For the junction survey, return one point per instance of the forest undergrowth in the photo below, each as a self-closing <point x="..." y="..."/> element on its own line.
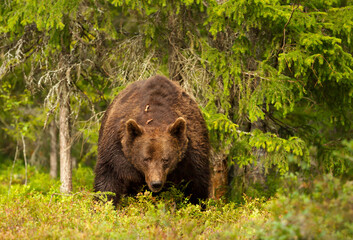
<point x="318" y="209"/>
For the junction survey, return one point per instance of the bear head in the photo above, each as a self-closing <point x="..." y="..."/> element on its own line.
<point x="155" y="152"/>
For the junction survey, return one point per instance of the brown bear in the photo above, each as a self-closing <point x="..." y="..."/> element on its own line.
<point x="153" y="133"/>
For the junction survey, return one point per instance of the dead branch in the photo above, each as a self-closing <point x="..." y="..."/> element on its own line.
<point x="285" y="26"/>
<point x="24" y="156"/>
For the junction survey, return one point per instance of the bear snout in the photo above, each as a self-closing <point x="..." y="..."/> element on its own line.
<point x="156" y="186"/>
<point x="155" y="176"/>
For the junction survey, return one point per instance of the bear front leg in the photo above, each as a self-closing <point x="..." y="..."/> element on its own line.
<point x="109" y="182"/>
<point x="198" y="189"/>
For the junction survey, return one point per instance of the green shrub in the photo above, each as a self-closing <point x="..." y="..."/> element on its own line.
<point x="29" y="214"/>
<point x="322" y="209"/>
<point x="302" y="209"/>
<point x="83" y="178"/>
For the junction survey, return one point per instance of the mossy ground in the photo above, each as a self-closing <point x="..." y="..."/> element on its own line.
<point x="322" y="209"/>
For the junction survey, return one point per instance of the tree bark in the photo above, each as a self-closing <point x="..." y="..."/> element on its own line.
<point x="32" y="160"/>
<point x="219" y="179"/>
<point x="53" y="151"/>
<point x="256" y="171"/>
<point x="175" y="44"/>
<point x="65" y="147"/>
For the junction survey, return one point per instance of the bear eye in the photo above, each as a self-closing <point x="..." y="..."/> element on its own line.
<point x="146" y="159"/>
<point x="165" y="160"/>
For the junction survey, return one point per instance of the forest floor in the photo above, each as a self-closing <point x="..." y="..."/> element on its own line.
<point x="322" y="209"/>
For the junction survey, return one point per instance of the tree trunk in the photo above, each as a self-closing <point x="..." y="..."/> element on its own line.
<point x="74" y="162"/>
<point x="175" y="44"/>
<point x="219" y="179"/>
<point x="53" y="151"/>
<point x="256" y="170"/>
<point x="65" y="158"/>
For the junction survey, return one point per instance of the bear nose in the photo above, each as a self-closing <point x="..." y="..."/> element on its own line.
<point x="156" y="185"/>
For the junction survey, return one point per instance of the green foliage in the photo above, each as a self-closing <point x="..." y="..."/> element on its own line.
<point x="254" y="190"/>
<point x="318" y="210"/>
<point x="15" y="174"/>
<point x="46" y="14"/>
<point x="27" y="213"/>
<point x="303" y="209"/>
<point x="19" y="114"/>
<point x="239" y="145"/>
<point x="344" y="158"/>
<point x="283" y="59"/>
<point x="83" y="179"/>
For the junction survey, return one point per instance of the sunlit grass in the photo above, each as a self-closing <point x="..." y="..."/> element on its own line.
<point x="322" y="209"/>
<point x="27" y="213"/>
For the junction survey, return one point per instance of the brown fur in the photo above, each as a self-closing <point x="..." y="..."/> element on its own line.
<point x="153" y="133"/>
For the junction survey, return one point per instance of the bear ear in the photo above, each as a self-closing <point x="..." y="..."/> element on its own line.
<point x="178" y="128"/>
<point x="133" y="129"/>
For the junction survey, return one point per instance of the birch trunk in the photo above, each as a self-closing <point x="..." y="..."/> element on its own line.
<point x="65" y="158"/>
<point x="53" y="151"/>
